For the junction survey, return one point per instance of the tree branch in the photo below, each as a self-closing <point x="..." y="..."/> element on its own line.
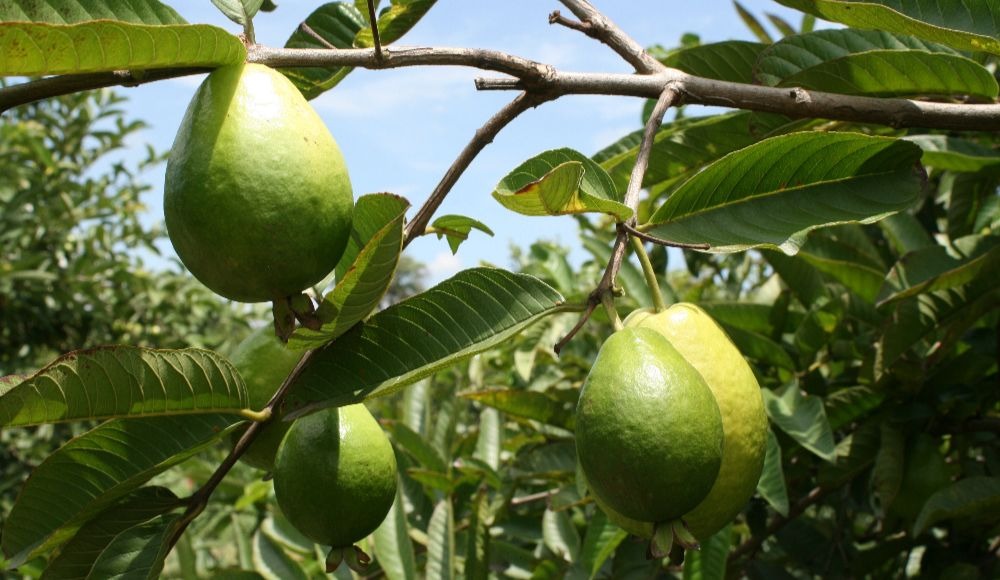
<point x="483" y="137"/>
<point x="660" y="241"/>
<point x="602" y="28"/>
<point x="750" y="547"/>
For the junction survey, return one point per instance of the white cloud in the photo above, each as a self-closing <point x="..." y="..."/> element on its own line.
<point x="443" y="265"/>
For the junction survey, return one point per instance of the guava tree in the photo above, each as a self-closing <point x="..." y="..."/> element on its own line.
<point x="838" y="223"/>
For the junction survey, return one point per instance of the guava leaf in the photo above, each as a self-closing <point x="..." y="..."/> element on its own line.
<point x="138" y="552"/>
<point x="106" y="463"/>
<point x="371" y="257"/>
<point x="560" y="535"/>
<point x="533" y="405"/>
<point x="887" y="473"/>
<point x="393" y="548"/>
<point x="413" y="443"/>
<point x="973" y="498"/>
<point x="731" y="60"/>
<point x="394" y="21"/>
<point x="125" y="381"/>
<point x="441" y="541"/>
<point x="772" y="193"/>
<point x="843" y="261"/>
<point x="793" y="55"/>
<point x="850" y="404"/>
<point x="771" y="485"/>
<point x="271" y="560"/>
<point x="457" y="229"/>
<point x="955" y="154"/>
<point x="239" y="11"/>
<point x="599" y="543"/>
<point x="802" y="417"/>
<point x="73" y="11"/>
<point x="560" y="182"/>
<point x="473" y="311"/>
<point x="30" y="49"/>
<point x="935" y="268"/>
<point x="345" y="25"/>
<point x="971" y="26"/>
<point x="76" y="559"/>
<point x="709" y="563"/>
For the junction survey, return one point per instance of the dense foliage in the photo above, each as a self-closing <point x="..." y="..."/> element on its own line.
<point x="853" y="264"/>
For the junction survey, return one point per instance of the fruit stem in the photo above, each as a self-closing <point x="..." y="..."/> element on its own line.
<point x="256" y="416"/>
<point x="649" y="273"/>
<point x="334" y="558"/>
<point x="356" y="559"/>
<point x="608" y="300"/>
<point x="662" y="540"/>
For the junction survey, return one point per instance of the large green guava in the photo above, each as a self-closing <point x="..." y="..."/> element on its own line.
<point x="648" y="431"/>
<point x="257" y="198"/>
<point x="703" y="344"/>
<point x="335" y="477"/>
<point x="263" y="361"/>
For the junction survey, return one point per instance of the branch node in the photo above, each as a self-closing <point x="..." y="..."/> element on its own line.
<point x="585" y="27"/>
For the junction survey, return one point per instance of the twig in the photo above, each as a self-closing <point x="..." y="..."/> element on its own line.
<point x="660" y="241"/>
<point x="585" y="27"/>
<point x="483" y="137"/>
<point x="199" y="499"/>
<point x="603" y="29"/>
<point x="591" y="306"/>
<point x="373" y="19"/>
<point x="315" y="35"/>
<point x="524" y="499"/>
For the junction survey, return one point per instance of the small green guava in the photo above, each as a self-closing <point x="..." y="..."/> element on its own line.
<point x="335" y="479"/>
<point x="257" y="198"/>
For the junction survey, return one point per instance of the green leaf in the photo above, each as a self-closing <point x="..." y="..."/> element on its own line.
<point x="473" y="311"/>
<point x="560" y="535"/>
<point x="760" y="348"/>
<point x="239" y="11"/>
<point x="490" y="441"/>
<point x="781" y="24"/>
<point x="365" y="272"/>
<point x="803" y="279"/>
<point x="600" y="541"/>
<point x="393" y="548"/>
<point x="138" y="552"/>
<point x="119" y="381"/>
<point x="732" y="60"/>
<point x="888" y="73"/>
<point x="887" y="474"/>
<point x="76" y="559"/>
<point x="271" y="561"/>
<point x="743" y="315"/>
<point x="532" y="405"/>
<point x="854" y="454"/>
<point x="972" y="498"/>
<point x="709" y="563"/>
<point x="441" y="542"/>
<point x="560" y="182"/>
<point x="411" y="442"/>
<point x="844" y="262"/>
<point x="72" y="11"/>
<point x="680" y="149"/>
<point x="752" y="23"/>
<point x="772" y="193"/>
<point x="395" y="21"/>
<point x="337" y="23"/>
<point x="477" y="545"/>
<point x="107" y="462"/>
<point x="971" y="26"/>
<point x="802" y="417"/>
<point x="935" y="268"/>
<point x="30" y="49"/>
<point x="955" y="154"/>
<point x="457" y="228"/>
<point x="771" y="485"/>
<point x="905" y="233"/>
<point x="849" y="404"/>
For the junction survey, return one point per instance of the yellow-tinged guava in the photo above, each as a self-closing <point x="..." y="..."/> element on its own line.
<point x="335" y="477"/>
<point x="703" y="344"/>
<point x="263" y="361"/>
<point x="648" y="431"/>
<point x="257" y="198"/>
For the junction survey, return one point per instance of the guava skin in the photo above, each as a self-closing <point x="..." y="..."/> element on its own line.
<point x="648" y="431"/>
<point x="257" y="198"/>
<point x="263" y="361"/>
<point x="335" y="475"/>
<point x="705" y="345"/>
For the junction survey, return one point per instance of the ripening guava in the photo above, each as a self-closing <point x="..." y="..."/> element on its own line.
<point x="648" y="431"/>
<point x="703" y="344"/>
<point x="257" y="198"/>
<point x="335" y="478"/>
<point x="263" y="361"/>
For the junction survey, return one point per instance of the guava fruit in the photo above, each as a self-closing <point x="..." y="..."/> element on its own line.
<point x="335" y="479"/>
<point x="703" y="344"/>
<point x="264" y="362"/>
<point x="257" y="198"/>
<point x="648" y="431"/>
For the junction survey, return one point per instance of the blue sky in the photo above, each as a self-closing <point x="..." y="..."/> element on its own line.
<point x="400" y="129"/>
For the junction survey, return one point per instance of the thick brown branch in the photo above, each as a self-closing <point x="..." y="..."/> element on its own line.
<point x="483" y="137"/>
<point x="602" y="28"/>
